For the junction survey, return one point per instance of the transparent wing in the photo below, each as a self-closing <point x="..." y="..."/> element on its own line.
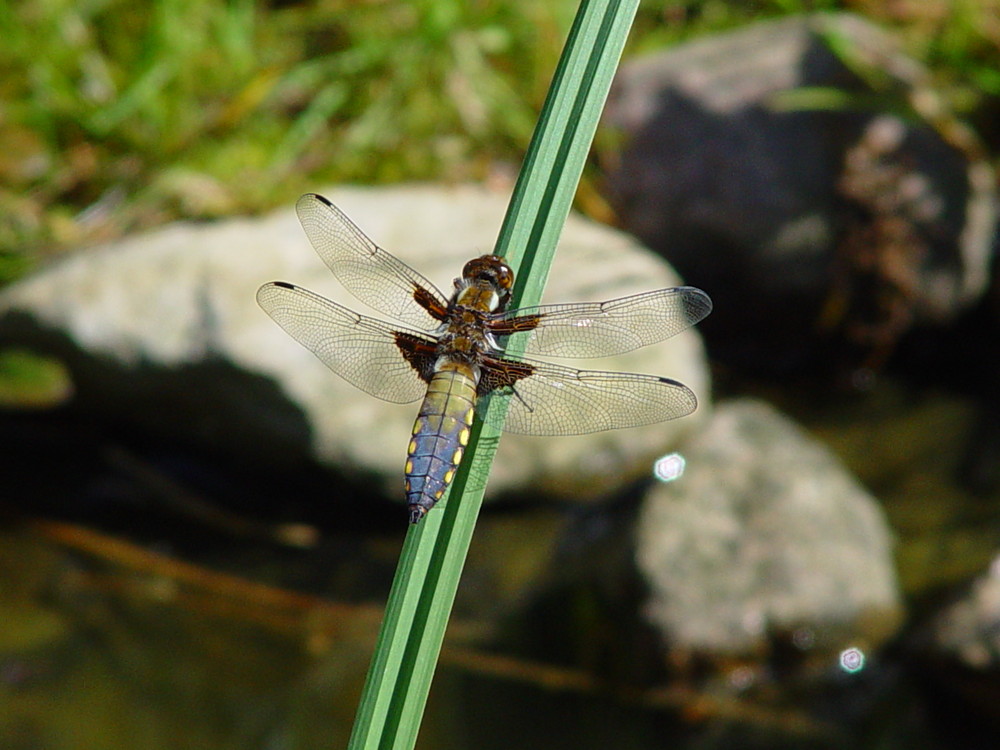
<point x="363" y="351"/>
<point x="601" y="329"/>
<point x="377" y="278"/>
<point x="556" y="400"/>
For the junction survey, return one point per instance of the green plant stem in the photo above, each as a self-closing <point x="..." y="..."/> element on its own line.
<point x="434" y="552"/>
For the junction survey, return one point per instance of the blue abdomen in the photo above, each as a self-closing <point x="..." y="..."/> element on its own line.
<point x="440" y="435"/>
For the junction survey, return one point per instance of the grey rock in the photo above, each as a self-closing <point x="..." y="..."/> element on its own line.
<point x="764" y="534"/>
<point x="958" y="649"/>
<point x="801" y="217"/>
<point x="162" y="330"/>
<point x="968" y="631"/>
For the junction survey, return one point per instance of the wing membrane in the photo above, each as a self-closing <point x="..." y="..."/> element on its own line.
<point x="556" y="400"/>
<point x="361" y="350"/>
<point x="377" y="278"/>
<point x="602" y="329"/>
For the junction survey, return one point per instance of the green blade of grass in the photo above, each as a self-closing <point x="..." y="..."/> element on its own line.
<point x="434" y="553"/>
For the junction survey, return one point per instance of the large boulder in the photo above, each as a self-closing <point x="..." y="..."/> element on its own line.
<point x="771" y="166"/>
<point x="765" y="538"/>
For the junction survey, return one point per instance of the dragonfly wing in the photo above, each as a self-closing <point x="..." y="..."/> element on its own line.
<point x="377" y="358"/>
<point x="602" y="329"/>
<point x="546" y="399"/>
<point x="374" y="276"/>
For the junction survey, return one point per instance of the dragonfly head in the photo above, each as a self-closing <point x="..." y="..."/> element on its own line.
<point x="492" y="273"/>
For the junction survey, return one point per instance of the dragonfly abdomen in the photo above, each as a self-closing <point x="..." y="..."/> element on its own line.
<point x="440" y="435"/>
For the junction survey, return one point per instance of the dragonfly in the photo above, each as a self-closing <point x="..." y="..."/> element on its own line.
<point x="448" y="349"/>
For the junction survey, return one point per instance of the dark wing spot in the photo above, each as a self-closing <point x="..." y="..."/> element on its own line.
<point x="420" y="353"/>
<point x="498" y="372"/>
<point x="507" y="326"/>
<point x="427" y="300"/>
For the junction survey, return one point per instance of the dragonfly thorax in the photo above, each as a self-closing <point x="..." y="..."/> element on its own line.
<point x="465" y="336"/>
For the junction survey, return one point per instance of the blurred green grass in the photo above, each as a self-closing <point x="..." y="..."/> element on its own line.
<point x="117" y="115"/>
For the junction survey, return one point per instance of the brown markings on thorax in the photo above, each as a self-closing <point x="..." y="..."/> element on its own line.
<point x="476" y="298"/>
